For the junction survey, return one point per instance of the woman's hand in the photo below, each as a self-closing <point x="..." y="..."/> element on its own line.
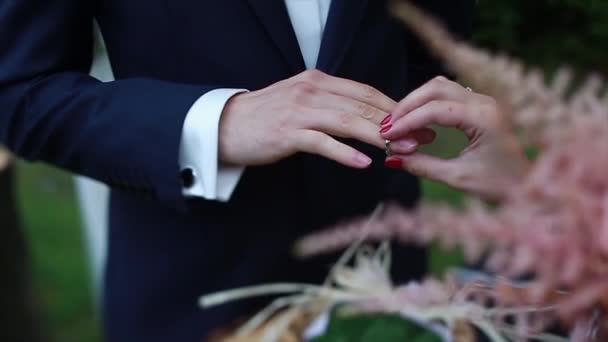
<point x="301" y="114"/>
<point x="491" y="162"/>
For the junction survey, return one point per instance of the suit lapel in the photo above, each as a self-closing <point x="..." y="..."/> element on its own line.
<point x="273" y="16"/>
<point x="344" y="19"/>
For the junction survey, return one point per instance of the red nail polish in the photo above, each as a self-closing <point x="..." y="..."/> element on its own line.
<point x="386" y="120"/>
<point x="393" y="163"/>
<point x="386" y="128"/>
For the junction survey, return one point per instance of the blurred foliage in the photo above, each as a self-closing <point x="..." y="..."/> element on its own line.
<point x="344" y="327"/>
<point x="52" y="226"/>
<point x="22" y="322"/>
<point x="547" y="33"/>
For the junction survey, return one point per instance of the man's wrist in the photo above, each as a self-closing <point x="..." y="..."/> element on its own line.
<point x="198" y="158"/>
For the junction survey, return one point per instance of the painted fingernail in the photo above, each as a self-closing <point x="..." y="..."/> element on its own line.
<point x="407" y="144"/>
<point x="393" y="163"/>
<point x="386" y="120"/>
<point x="386" y="128"/>
<point x="362" y="159"/>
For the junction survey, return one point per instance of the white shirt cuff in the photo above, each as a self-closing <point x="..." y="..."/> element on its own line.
<point x="198" y="153"/>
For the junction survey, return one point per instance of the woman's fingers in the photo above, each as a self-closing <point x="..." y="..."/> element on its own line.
<point x="322" y="144"/>
<point x="442" y="113"/>
<point x="424" y="165"/>
<point x="423" y="136"/>
<point x="412" y="141"/>
<point x="469" y="174"/>
<point x="439" y="88"/>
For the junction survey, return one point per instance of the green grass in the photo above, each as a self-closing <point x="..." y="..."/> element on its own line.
<point x="46" y="198"/>
<point x="61" y="277"/>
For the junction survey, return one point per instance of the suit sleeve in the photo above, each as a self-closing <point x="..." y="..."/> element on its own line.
<point x="125" y="133"/>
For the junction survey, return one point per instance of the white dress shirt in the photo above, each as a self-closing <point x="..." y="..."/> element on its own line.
<point x="199" y="144"/>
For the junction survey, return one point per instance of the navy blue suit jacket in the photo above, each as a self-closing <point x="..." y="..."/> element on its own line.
<point x="166" y="251"/>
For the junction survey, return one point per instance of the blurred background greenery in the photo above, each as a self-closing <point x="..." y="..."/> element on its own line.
<point x="545" y="33"/>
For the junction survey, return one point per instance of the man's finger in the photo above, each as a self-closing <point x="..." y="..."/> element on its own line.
<point x="344" y="104"/>
<point x="322" y="144"/>
<point x="352" y="89"/>
<point x="344" y="125"/>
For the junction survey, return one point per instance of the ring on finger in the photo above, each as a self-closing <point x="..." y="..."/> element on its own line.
<point x="387" y="147"/>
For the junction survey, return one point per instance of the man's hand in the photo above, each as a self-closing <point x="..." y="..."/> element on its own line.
<point x="490" y="164"/>
<point x="301" y="114"/>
